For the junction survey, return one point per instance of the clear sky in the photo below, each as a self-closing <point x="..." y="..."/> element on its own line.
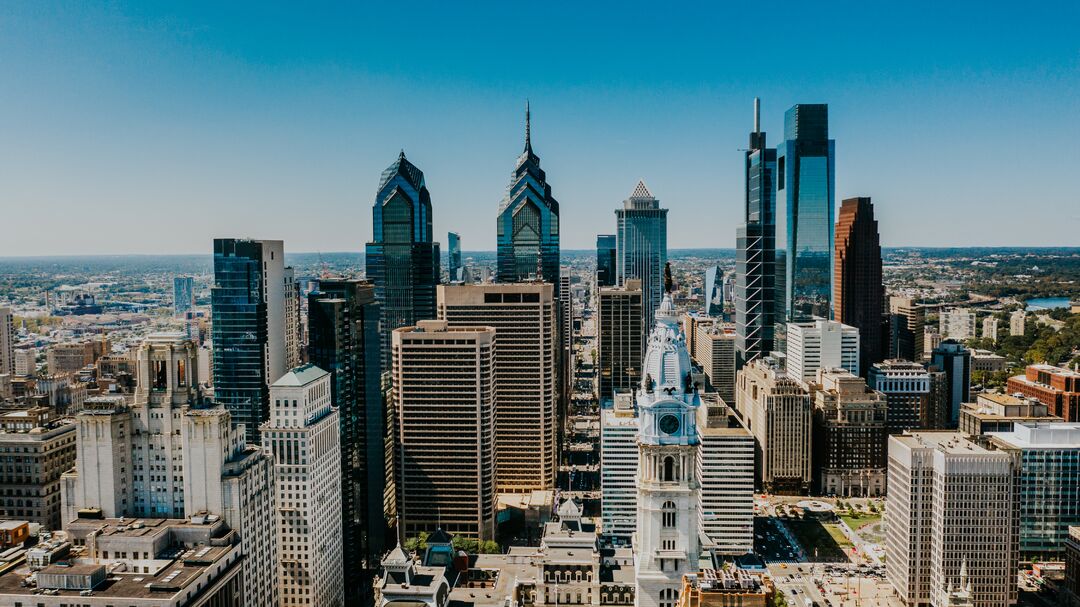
<point x="153" y="127"/>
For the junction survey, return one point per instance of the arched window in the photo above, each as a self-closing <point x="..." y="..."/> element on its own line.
<point x="669" y="469"/>
<point x="668" y="515"/>
<point x="668" y="596"/>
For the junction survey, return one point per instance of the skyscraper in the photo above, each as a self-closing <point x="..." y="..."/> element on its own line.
<point x="755" y="256"/>
<point x="850" y="435"/>
<point x="805" y="167"/>
<point x="858" y="293"/>
<point x="402" y="259"/>
<point x="908" y="391"/>
<point x="641" y="239"/>
<point x="955" y="360"/>
<point x="820" y="344"/>
<point x="524" y="318"/>
<point x="907" y="334"/>
<point x="343" y="339"/>
<point x="248" y="309"/>
<point x="714" y="291"/>
<point x="606" y="264"/>
<point x="778" y="410"/>
<point x="293" y="332"/>
<point x="183" y="294"/>
<point x="444" y="396"/>
<point x="453" y="258"/>
<point x="619" y="338"/>
<point x="7" y="342"/>
<point x="528" y="222"/>
<point x="303" y="434"/>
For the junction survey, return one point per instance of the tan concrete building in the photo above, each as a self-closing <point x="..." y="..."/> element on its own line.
<point x="850" y="435"/>
<point x="526" y="374"/>
<point x="715" y="353"/>
<point x="72" y="357"/>
<point x="30" y="480"/>
<point x="7" y="342"/>
<point x="444" y="394"/>
<point x="999" y="412"/>
<point x="778" y="412"/>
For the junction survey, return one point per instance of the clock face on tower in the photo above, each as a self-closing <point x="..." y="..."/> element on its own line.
<point x="669" y="424"/>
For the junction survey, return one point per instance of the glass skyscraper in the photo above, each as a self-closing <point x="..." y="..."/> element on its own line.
<point x="805" y="167"/>
<point x="183" y="294"/>
<point x="453" y="258"/>
<point x="528" y="222"/>
<point x="641" y="239"/>
<point x="402" y="259"/>
<point x="755" y="256"/>
<point x="606" y="263"/>
<point x="343" y="339"/>
<point x="248" y="309"/>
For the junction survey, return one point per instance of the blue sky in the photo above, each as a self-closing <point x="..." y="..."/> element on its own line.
<point x="152" y="127"/>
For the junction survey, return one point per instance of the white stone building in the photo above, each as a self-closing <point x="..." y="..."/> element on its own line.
<point x="821" y="344"/>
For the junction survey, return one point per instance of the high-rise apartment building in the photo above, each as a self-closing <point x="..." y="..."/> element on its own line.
<point x="343" y="339"/>
<point x="248" y="310"/>
<point x="906" y="321"/>
<point x="26" y="362"/>
<point x="858" y="293"/>
<point x="606" y="260"/>
<point x="755" y="255"/>
<point x="990" y="328"/>
<point x="528" y="222"/>
<point x="45" y="448"/>
<point x="850" y="435"/>
<point x="453" y="256"/>
<point x="1017" y="322"/>
<point x="444" y="394"/>
<point x="1047" y="458"/>
<point x="907" y="390"/>
<point x="958" y="324"/>
<point x="950" y="509"/>
<point x="641" y="236"/>
<point x="183" y="294"/>
<point x="402" y="259"/>
<point x="1056" y="387"/>
<point x="778" y="411"/>
<point x="805" y="178"/>
<point x="821" y="344"/>
<point x="523" y="316"/>
<point x="303" y="433"/>
<point x="620" y="345"/>
<point x="714" y="350"/>
<point x="955" y="360"/>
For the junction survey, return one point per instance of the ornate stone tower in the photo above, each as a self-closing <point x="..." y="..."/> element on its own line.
<point x="667" y="541"/>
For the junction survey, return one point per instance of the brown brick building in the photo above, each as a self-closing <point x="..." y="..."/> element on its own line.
<point x="1056" y="387"/>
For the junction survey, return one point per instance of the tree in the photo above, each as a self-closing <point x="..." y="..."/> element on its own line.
<point x="416" y="544"/>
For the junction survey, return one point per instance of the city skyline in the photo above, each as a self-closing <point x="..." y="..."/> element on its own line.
<point x="207" y="110"/>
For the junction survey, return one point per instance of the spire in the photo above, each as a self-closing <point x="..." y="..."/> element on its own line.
<point x="757" y="114"/>
<point x="401" y="156"/>
<point x="528" y="129"/>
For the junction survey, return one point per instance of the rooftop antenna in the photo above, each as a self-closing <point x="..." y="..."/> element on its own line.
<point x="528" y="128"/>
<point x="757" y="114"/>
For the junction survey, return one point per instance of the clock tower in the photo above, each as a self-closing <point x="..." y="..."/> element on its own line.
<point x="667" y="540"/>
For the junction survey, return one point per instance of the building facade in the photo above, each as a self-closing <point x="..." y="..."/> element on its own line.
<point x="7" y="341"/>
<point x="642" y="249"/>
<point x="907" y="390"/>
<point x="183" y="294"/>
<point x="618" y="469"/>
<point x="955" y="360"/>
<point x="958" y="324"/>
<point x="606" y="260"/>
<point x="907" y="321"/>
<point x="620" y="345"/>
<point x="1056" y="387"/>
<point x="858" y="293"/>
<point x="453" y="256"/>
<point x="715" y="350"/>
<point x="850" y="436"/>
<point x="821" y="344"/>
<point x="778" y="411"/>
<point x="36" y="448"/>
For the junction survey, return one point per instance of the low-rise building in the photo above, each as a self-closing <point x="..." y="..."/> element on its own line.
<point x="999" y="412"/>
<point x="1056" y="387"/>
<point x="985" y="360"/>
<point x="731" y="587"/>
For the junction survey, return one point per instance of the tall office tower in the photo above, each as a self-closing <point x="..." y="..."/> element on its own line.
<point x="46" y="447"/>
<point x="907" y="390"/>
<point x="955" y="360"/>
<point x="939" y="406"/>
<point x="1016" y="322"/>
<point x="618" y="469"/>
<point x="303" y="434"/>
<point x="343" y="338"/>
<point x="958" y="324"/>
<point x="755" y="257"/>
<point x="528" y="222"/>
<point x="858" y="293"/>
<point x="821" y="344"/>
<point x="402" y="259"/>
<point x="805" y="165"/>
<point x="778" y="410"/>
<point x="248" y="310"/>
<point x="691" y="322"/>
<point x="1047" y="456"/>
<point x="606" y="260"/>
<point x="526" y="376"/>
<point x="714" y="291"/>
<point x="950" y="508"/>
<point x="642" y="249"/>
<point x="566" y="354"/>
<point x="444" y="392"/>
<point x="715" y="352"/>
<point x="7" y="341"/>
<point x="453" y="256"/>
<point x="726" y="472"/>
<point x="1056" y="387"/>
<point x="293" y="332"/>
<point x="619" y="338"/>
<point x="850" y="436"/>
<point x="990" y="328"/>
<point x="907" y="320"/>
<point x="183" y="294"/>
<point x="667" y="540"/>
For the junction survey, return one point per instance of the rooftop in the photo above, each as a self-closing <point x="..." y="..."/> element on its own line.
<point x="301" y="376"/>
<point x="1034" y="435"/>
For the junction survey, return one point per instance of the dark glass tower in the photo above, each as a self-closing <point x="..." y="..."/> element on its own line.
<point x="805" y="166"/>
<point x="858" y="292"/>
<point x="755" y="256"/>
<point x="402" y="259"/>
<point x="248" y="310"/>
<point x="528" y="222"/>
<point x="453" y="258"/>
<point x="606" y="263"/>
<point x="642" y="242"/>
<point x="343" y="338"/>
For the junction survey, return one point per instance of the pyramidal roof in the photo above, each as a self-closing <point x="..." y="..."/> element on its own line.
<point x="641" y="190"/>
<point x="301" y="376"/>
<point x="404" y="168"/>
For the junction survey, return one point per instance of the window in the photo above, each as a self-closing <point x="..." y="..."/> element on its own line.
<point x="668" y="515"/>
<point x="668" y="597"/>
<point x="669" y="469"/>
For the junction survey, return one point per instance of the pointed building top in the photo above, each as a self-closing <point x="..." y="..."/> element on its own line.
<point x="528" y="129"/>
<point x="401" y="156"/>
<point x="641" y="190"/>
